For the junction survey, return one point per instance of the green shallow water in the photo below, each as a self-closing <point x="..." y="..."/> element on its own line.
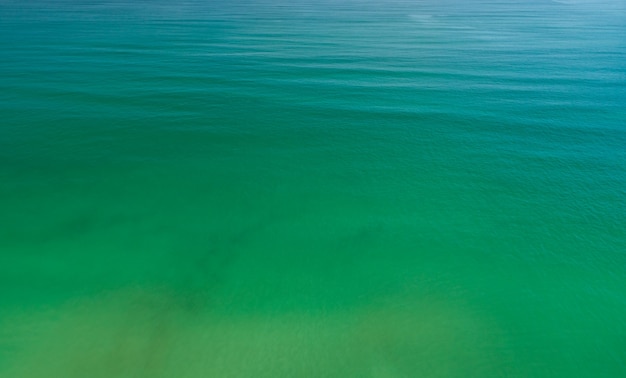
<point x="312" y="189"/>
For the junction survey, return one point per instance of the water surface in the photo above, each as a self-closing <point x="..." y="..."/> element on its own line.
<point x="312" y="189"/>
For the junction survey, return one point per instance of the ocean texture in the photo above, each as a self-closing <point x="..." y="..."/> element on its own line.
<point x="272" y="188"/>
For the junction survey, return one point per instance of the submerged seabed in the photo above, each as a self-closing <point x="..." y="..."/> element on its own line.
<point x="312" y="189"/>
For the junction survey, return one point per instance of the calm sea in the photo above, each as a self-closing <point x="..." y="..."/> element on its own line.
<point x="273" y="188"/>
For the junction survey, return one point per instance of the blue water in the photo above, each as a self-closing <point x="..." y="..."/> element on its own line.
<point x="312" y="189"/>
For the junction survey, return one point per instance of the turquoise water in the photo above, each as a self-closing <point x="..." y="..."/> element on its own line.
<point x="312" y="189"/>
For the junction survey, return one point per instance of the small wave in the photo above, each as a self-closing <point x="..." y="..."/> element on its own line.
<point x="422" y="18"/>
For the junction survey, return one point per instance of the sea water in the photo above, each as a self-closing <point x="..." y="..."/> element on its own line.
<point x="272" y="188"/>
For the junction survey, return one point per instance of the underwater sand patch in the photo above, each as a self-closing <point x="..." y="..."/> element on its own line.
<point x="152" y="333"/>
